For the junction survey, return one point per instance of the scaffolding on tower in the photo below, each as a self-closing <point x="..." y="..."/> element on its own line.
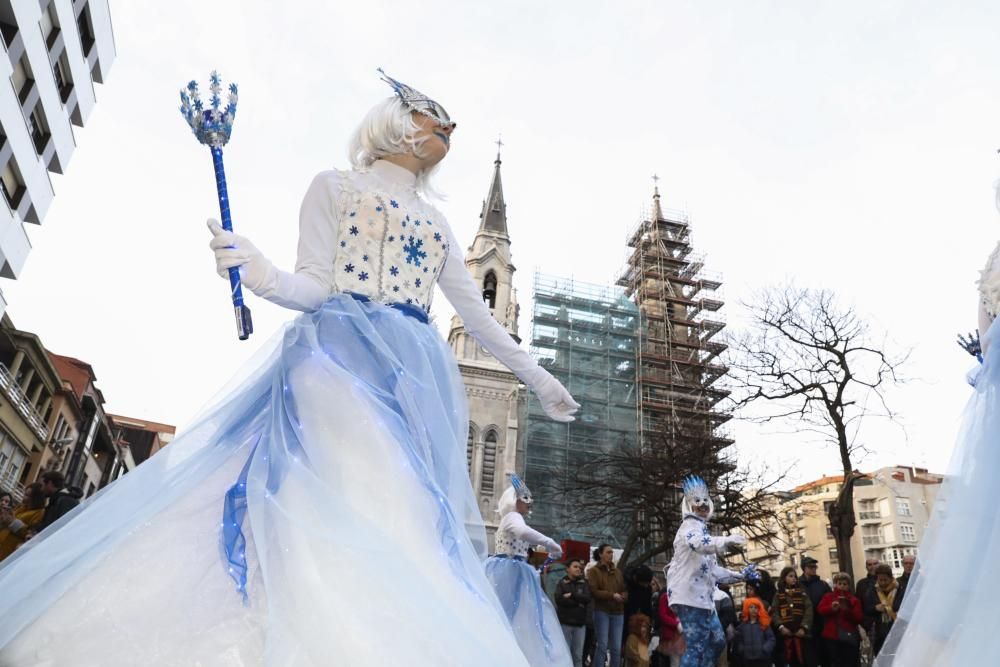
<point x="678" y="362"/>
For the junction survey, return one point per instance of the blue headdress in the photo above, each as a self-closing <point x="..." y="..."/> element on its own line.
<point x="696" y="495"/>
<point x="521" y="490"/>
<point x="419" y="102"/>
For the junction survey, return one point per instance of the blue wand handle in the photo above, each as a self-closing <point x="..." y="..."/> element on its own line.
<point x="244" y="324"/>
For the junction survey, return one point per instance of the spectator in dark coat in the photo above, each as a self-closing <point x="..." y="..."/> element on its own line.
<point x="639" y="580"/>
<point x="861" y="591"/>
<point x="880" y="605"/>
<point x="754" y="642"/>
<point x="815" y="588"/>
<point x="62" y="498"/>
<point x="903" y="581"/>
<point x="572" y="600"/>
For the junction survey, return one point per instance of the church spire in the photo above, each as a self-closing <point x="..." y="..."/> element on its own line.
<point x="494" y="215"/>
<point x="657" y="211"/>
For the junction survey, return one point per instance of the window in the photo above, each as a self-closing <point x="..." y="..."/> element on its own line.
<point x="487" y="479"/>
<point x="63" y="76"/>
<point x="490" y="290"/>
<point x="11" y="184"/>
<point x="50" y="25"/>
<point x="907" y="532"/>
<point x="38" y="125"/>
<point x="903" y="507"/>
<point x="84" y="25"/>
<point x="833" y="556"/>
<point x="829" y="531"/>
<point x="801" y="536"/>
<point x="469" y="447"/>
<point x="21" y="77"/>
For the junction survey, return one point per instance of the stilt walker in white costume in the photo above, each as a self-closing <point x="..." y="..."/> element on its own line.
<point x="531" y="613"/>
<point x="693" y="574"/>
<point x="946" y="618"/>
<point x="340" y="456"/>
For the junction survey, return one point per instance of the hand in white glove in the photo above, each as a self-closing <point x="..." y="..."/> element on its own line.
<point x="556" y="401"/>
<point x="234" y="250"/>
<point x="735" y="542"/>
<point x="555" y="551"/>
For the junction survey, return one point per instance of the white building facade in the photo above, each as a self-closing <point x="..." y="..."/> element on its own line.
<point x="55" y="51"/>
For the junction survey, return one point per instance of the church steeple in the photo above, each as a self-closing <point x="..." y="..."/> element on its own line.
<point x="490" y="263"/>
<point x="657" y="211"/>
<point x="494" y="214"/>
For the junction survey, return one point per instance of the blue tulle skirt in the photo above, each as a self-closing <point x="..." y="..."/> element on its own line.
<point x="531" y="613"/>
<point x="319" y="513"/>
<point x="948" y="615"/>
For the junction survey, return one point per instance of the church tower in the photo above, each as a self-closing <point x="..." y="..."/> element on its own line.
<point x="491" y="388"/>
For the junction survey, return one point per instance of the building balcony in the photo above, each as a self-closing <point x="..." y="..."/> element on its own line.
<point x="872" y="540"/>
<point x="869" y="516"/>
<point x="21" y="403"/>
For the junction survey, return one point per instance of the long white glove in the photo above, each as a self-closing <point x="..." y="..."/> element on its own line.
<point x="735" y="542"/>
<point x="291" y="290"/>
<point x="457" y="284"/>
<point x="516" y="524"/>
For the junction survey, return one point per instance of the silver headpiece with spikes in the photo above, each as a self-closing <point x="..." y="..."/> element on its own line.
<point x="419" y="102"/>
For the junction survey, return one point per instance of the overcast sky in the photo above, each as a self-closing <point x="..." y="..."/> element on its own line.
<point x="845" y="145"/>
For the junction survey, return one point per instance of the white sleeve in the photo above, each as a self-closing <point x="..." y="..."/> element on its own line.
<point x="458" y="286"/>
<point x="312" y="282"/>
<point x="724" y="576"/>
<point x="518" y="528"/>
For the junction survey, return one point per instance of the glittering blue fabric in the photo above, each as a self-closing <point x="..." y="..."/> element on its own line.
<point x="529" y="610"/>
<point x="405" y="384"/>
<point x="703" y="634"/>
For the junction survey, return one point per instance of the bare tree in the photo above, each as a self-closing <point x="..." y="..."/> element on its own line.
<point x="806" y="360"/>
<point x="638" y="491"/>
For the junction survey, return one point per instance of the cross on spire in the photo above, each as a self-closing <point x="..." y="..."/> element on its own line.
<point x="499" y="143"/>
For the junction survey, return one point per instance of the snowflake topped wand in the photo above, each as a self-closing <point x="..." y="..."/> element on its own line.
<point x="212" y="128"/>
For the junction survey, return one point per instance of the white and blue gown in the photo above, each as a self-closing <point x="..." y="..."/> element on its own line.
<point x="948" y="613"/>
<point x="529" y="609"/>
<point x="320" y="513"/>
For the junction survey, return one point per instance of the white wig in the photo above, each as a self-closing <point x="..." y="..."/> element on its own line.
<point x="508" y="502"/>
<point x="389" y="129"/>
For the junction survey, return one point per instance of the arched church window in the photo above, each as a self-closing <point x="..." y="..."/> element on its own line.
<point x="490" y="289"/>
<point x="489" y="462"/>
<point x="470" y="445"/>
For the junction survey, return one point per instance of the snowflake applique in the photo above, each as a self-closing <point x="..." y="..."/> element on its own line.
<point x="406" y="284"/>
<point x="425" y="269"/>
<point x="413" y="252"/>
<point x="395" y="288"/>
<point x="364" y="258"/>
<point x="410" y="301"/>
<point x="378" y="209"/>
<point x="416" y="282"/>
<point x="352" y="213"/>
<point x="689" y="535"/>
<point x="394" y="270"/>
<point x="704" y="568"/>
<point x="363" y="275"/>
<point x="349" y="268"/>
<point x="391" y="239"/>
<point x="416" y="223"/>
<point x="343" y="244"/>
<point x="706" y="540"/>
<point x="392" y="202"/>
<point x="437" y="236"/>
<point x="429" y="223"/>
<point x="354" y="230"/>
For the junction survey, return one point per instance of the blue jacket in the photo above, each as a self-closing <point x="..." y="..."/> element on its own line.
<point x="754" y="642"/>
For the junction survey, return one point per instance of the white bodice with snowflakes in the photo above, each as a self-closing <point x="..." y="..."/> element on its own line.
<point x="391" y="244"/>
<point x="509" y="545"/>
<point x="989" y="285"/>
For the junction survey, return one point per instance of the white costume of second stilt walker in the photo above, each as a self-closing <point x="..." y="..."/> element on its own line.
<point x="693" y="574"/>
<point x="336" y="458"/>
<point x="948" y="615"/>
<point x="518" y="586"/>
